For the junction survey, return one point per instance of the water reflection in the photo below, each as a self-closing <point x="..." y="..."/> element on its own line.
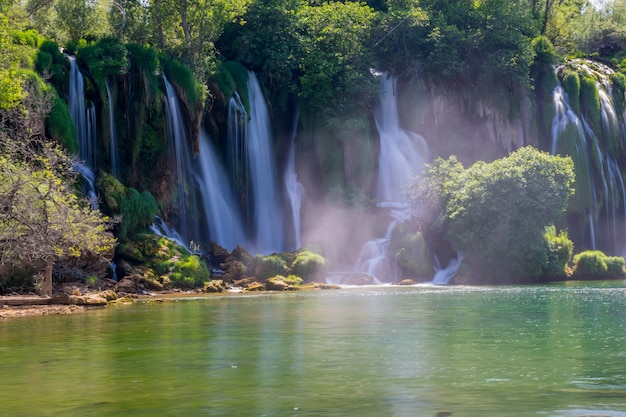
<point x="380" y="351"/>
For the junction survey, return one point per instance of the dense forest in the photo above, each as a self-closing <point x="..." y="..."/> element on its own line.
<point x="95" y="93"/>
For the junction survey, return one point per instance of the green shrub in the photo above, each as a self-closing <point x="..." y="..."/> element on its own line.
<point x="596" y="264"/>
<point x="60" y="126"/>
<point x="560" y="249"/>
<point x="310" y="266"/>
<point x="137" y="210"/>
<point x="52" y="64"/>
<point x="293" y="280"/>
<point x="107" y="57"/>
<point x="190" y="272"/>
<point x="271" y="266"/>
<point x="181" y="75"/>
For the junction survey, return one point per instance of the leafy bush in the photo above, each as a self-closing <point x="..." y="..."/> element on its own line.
<point x="50" y="62"/>
<point x="596" y="264"/>
<point x="496" y="213"/>
<point x="271" y="266"/>
<point x="309" y="266"/>
<point x="190" y="272"/>
<point x="107" y="57"/>
<point x="560" y="249"/>
<point x="60" y="126"/>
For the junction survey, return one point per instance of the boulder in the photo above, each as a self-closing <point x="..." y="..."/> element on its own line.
<point x="127" y="285"/>
<point x="407" y="282"/>
<point x="277" y="284"/>
<point x="216" y="285"/>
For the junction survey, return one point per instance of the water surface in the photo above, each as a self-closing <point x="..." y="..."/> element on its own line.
<point x="378" y="351"/>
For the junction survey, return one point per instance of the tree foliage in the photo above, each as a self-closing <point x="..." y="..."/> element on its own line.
<point x="496" y="213"/>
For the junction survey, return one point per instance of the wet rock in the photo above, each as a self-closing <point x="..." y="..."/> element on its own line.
<point x="277" y="284"/>
<point x="356" y="278"/>
<point x="406" y="282"/>
<point x="256" y="286"/>
<point x="126" y="285"/>
<point x="216" y="285"/>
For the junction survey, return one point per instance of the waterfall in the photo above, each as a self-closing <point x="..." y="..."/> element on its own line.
<point x="598" y="176"/>
<point x="220" y="208"/>
<point x="112" y="144"/>
<point x="402" y="154"/>
<point x="267" y="220"/>
<point x="237" y="134"/>
<point x="84" y="119"/>
<point x="295" y="190"/>
<point x="180" y="159"/>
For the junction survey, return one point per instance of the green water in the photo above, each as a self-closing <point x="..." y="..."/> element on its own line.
<point x="379" y="351"/>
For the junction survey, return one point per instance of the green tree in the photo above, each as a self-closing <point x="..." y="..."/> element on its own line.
<point x="496" y="213"/>
<point x="336" y="58"/>
<point x="41" y="218"/>
<point x="10" y="80"/>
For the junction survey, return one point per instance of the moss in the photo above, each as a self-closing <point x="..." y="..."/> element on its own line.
<point x="619" y="92"/>
<point x="590" y="103"/>
<point x="107" y="57"/>
<point x="571" y="85"/>
<point x="190" y="272"/>
<point x="231" y="76"/>
<point x="182" y="76"/>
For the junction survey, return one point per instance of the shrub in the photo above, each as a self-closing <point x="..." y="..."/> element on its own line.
<point x="310" y="266"/>
<point x="60" y="126"/>
<point x="596" y="264"/>
<point x="190" y="272"/>
<point x="560" y="249"/>
<point x="271" y="266"/>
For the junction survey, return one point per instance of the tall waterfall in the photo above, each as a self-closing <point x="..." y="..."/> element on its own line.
<point x="180" y="159"/>
<point x="268" y="216"/>
<point x="112" y="139"/>
<point x="295" y="190"/>
<point x="402" y="154"/>
<point x="598" y="177"/>
<point x="218" y="201"/>
<point x="84" y="118"/>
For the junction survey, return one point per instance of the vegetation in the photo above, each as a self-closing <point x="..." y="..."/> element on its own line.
<point x="595" y="264"/>
<point x="496" y="213"/>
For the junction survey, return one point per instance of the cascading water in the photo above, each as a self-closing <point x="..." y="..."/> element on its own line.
<point x="112" y="139"/>
<point x="402" y="154"/>
<point x="267" y="221"/>
<point x="295" y="190"/>
<point x="180" y="159"/>
<point x="221" y="211"/>
<point x="85" y="122"/>
<point x="598" y="176"/>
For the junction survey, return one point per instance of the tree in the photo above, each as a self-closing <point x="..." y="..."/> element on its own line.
<point x="41" y="218"/>
<point x="10" y="82"/>
<point x="496" y="213"/>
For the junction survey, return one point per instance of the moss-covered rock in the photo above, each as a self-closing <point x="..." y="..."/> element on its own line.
<point x="596" y="264"/>
<point x="309" y="266"/>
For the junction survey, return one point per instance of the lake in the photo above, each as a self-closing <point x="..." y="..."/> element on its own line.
<point x="556" y="350"/>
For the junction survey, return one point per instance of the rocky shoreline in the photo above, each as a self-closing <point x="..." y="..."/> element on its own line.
<point x="71" y="298"/>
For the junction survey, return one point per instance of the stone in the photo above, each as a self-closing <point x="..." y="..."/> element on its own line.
<point x="407" y="282"/>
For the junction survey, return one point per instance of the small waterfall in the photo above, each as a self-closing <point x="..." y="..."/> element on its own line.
<point x="444" y="275"/>
<point x="112" y="144"/>
<point x="295" y="190"/>
<point x="268" y="224"/>
<point x="221" y="211"/>
<point x="180" y="159"/>
<point x="84" y="119"/>
<point x="237" y="135"/>
<point x="402" y="154"/>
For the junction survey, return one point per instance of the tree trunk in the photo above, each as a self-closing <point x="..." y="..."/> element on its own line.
<point x="46" y="291"/>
